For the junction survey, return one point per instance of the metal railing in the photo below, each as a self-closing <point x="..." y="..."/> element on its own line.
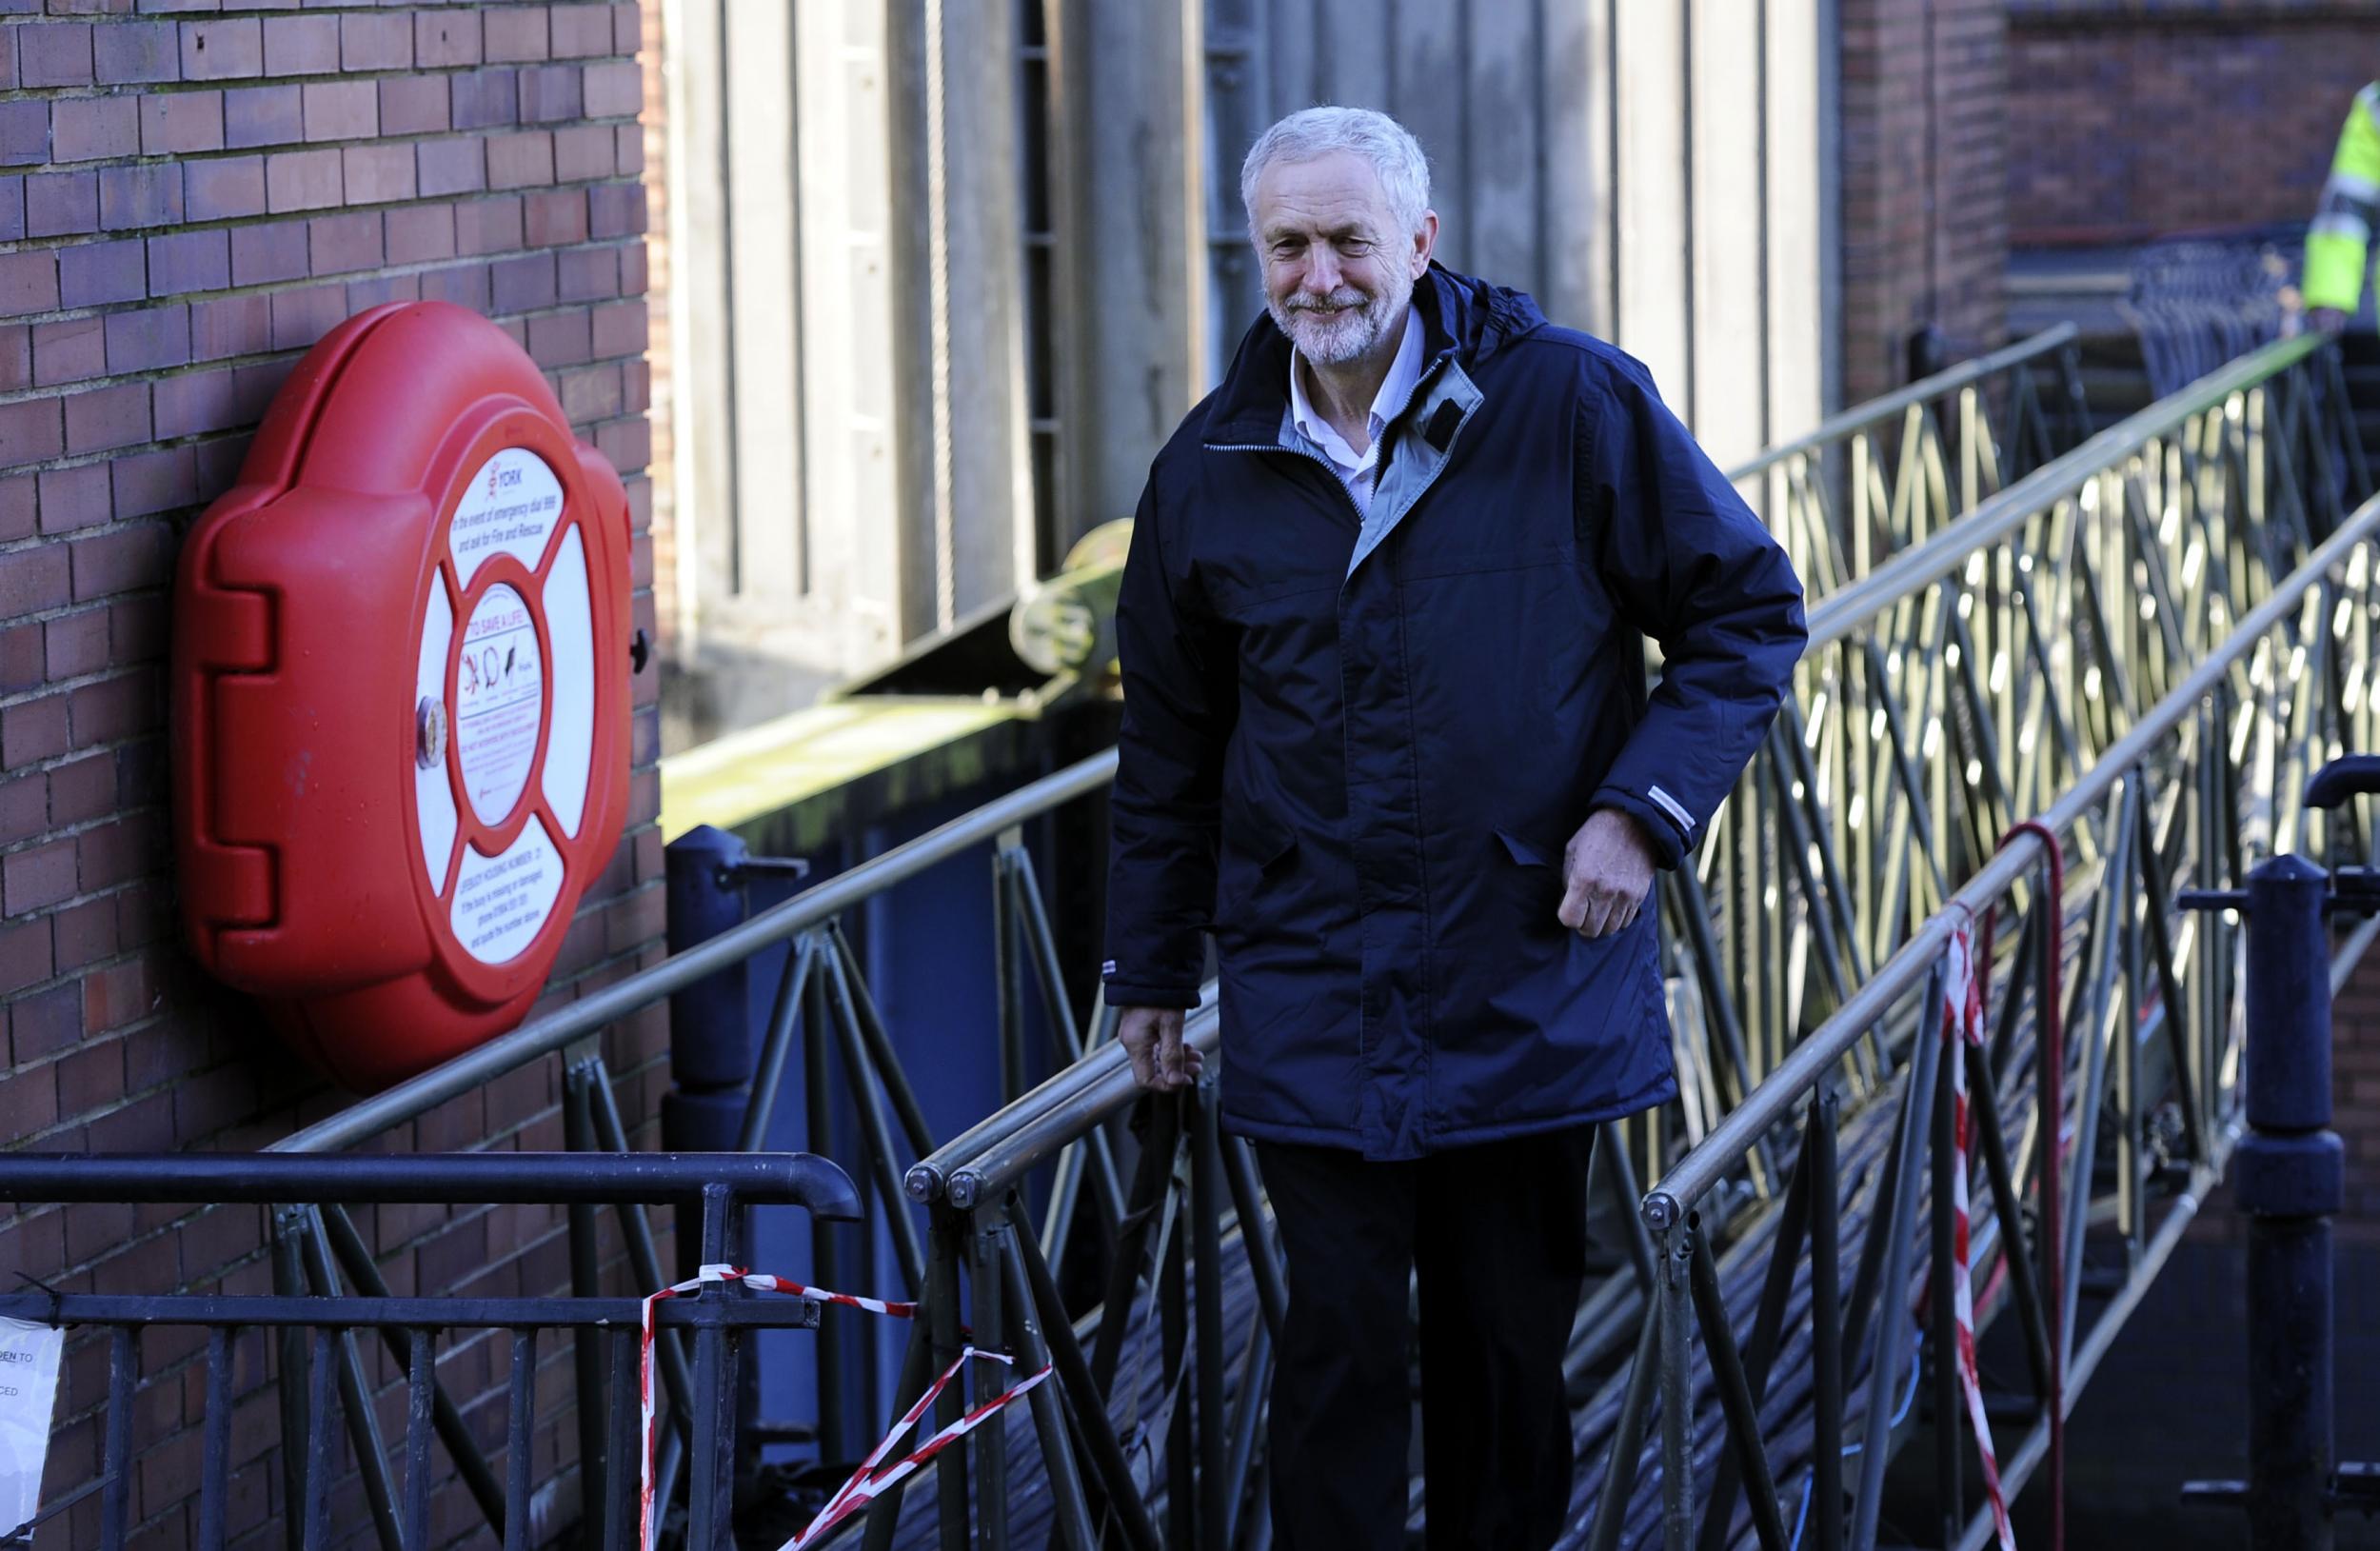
<point x="322" y="1372"/>
<point x="2027" y="658"/>
<point x="1892" y="454"/>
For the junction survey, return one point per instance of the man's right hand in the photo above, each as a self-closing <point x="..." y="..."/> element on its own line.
<point x="2329" y="320"/>
<point x="1152" y="1036"/>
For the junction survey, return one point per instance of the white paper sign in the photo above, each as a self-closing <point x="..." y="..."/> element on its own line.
<point x="29" y="1394"/>
<point x="499" y="697"/>
<point x="509" y="508"/>
<point x="500" y="901"/>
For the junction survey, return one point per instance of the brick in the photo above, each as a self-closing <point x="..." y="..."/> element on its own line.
<point x="84" y="934"/>
<point x="254" y="385"/>
<point x="614" y="89"/>
<point x="225" y="326"/>
<point x="420" y="234"/>
<point x="414" y="105"/>
<point x="24" y="133"/>
<point x="522" y="284"/>
<point x="189" y="261"/>
<point x="16" y="507"/>
<point x="68" y="352"/>
<point x="34" y="580"/>
<point x="561" y="339"/>
<point x="590" y="273"/>
<point x="12" y="208"/>
<point x="375" y="43"/>
<point x="33" y="729"/>
<point x="130" y="54"/>
<point x="57" y="56"/>
<point x="342" y="111"/>
<point x="101" y="419"/>
<point x="519" y="161"/>
<point x="148" y="483"/>
<point x="270" y="115"/>
<point x="31" y="429"/>
<point x="133" y="197"/>
<point x="515" y="33"/>
<point x="551" y="93"/>
<point x="374" y="290"/>
<point x="113" y="710"/>
<point x="22" y="658"/>
<point x="45" y="1022"/>
<point x="28" y="283"/>
<point x="484" y="99"/>
<point x="180" y="123"/>
<point x="447" y="166"/>
<point x="339" y="244"/>
<point x="442" y="39"/>
<point x="89" y="128"/>
<point x="301" y="45"/>
<point x="32" y="878"/>
<point x="554" y="217"/>
<point x="110" y="854"/>
<point x="615" y="209"/>
<point x="301" y="317"/>
<point x="378" y="175"/>
<point x="61" y="204"/>
<point x="16" y="357"/>
<point x="583" y="153"/>
<point x="225" y="189"/>
<point x="98" y="273"/>
<point x="465" y="284"/>
<point x="582" y="31"/>
<point x="75" y="498"/>
<point x="619" y="329"/>
<point x="627" y="27"/>
<point x="302" y="180"/>
<point x="261" y="254"/>
<point x="74" y="645"/>
<point x="191" y="402"/>
<point x="222" y="50"/>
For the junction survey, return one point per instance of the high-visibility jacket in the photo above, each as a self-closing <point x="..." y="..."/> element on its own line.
<point x="2341" y="233"/>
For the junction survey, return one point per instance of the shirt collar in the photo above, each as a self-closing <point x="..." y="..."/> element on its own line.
<point x="1403" y="372"/>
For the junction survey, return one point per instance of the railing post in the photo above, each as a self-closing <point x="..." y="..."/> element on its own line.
<point x="2289" y="1178"/>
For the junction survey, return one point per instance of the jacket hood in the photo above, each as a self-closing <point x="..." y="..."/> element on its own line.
<point x="1462" y="315"/>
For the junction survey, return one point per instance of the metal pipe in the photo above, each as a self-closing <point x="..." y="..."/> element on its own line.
<point x="1826" y="1322"/>
<point x="1621" y="1461"/>
<point x="1206" y="1225"/>
<point x="1737" y="1401"/>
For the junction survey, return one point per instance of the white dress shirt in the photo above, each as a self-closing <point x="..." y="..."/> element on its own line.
<point x="1358" y="473"/>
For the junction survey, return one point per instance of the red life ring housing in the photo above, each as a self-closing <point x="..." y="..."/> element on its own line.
<point x="400" y="684"/>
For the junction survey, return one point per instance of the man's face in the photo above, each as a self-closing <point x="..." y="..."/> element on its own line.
<point x="1337" y="271"/>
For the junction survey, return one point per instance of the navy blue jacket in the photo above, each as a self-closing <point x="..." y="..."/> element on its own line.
<point x="1357" y="766"/>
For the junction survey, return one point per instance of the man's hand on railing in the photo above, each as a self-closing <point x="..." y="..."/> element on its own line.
<point x="1152" y="1037"/>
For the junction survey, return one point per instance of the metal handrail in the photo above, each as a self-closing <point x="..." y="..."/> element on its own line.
<point x="1861" y="600"/>
<point x="1677" y="1191"/>
<point x="558" y="1029"/>
<point x="1877" y="410"/>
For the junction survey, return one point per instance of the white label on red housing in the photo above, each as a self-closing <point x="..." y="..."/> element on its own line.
<point x="509" y="508"/>
<point x="501" y="901"/>
<point x="433" y="793"/>
<point x="570" y="630"/>
<point x="499" y="699"/>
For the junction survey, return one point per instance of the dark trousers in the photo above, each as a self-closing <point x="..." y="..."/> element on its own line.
<point x="1497" y="1234"/>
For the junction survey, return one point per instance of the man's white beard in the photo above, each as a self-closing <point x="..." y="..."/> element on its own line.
<point x="1335" y="339"/>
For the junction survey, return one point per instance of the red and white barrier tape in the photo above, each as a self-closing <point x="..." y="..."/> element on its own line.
<point x="873" y="1475"/>
<point x="1962" y="1025"/>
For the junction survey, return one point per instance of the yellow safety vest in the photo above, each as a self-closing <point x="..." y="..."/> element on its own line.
<point x="2341" y="233"/>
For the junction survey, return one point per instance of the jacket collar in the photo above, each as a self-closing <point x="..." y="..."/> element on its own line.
<point x="1459" y="316"/>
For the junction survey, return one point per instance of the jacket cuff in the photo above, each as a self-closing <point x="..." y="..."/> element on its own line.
<point x="1668" y="834"/>
<point x="1121" y="993"/>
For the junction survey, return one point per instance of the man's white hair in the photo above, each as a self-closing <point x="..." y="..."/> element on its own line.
<point x="1313" y="133"/>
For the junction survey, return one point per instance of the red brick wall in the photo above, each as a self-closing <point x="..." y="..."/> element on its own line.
<point x="186" y="203"/>
<point x="2129" y="119"/>
<point x="1925" y="230"/>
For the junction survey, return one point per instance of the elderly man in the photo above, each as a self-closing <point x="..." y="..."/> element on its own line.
<point x="1387" y="736"/>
